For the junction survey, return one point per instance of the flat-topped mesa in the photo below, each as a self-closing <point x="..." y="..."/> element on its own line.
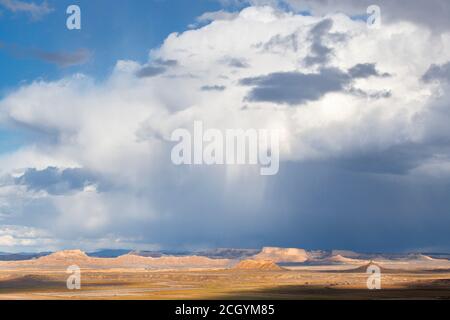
<point x="261" y="265"/>
<point x="282" y="254"/>
<point x="171" y="260"/>
<point x="71" y="255"/>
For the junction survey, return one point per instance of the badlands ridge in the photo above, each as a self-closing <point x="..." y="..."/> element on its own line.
<point x="269" y="258"/>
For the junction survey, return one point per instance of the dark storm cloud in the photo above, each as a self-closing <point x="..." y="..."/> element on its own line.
<point x="321" y="28"/>
<point x="431" y="13"/>
<point x="314" y="205"/>
<point x="284" y="42"/>
<point x="150" y="71"/>
<point x="56" y="181"/>
<point x="381" y="94"/>
<point x="295" y="88"/>
<point x="235" y="62"/>
<point x="318" y="35"/>
<point x="157" y="67"/>
<point x="365" y="70"/>
<point x="213" y="88"/>
<point x="357" y="210"/>
<point x="167" y="63"/>
<point x="437" y="72"/>
<point x="320" y="53"/>
<point x="396" y="160"/>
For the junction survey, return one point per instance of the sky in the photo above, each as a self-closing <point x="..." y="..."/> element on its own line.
<point x="86" y="118"/>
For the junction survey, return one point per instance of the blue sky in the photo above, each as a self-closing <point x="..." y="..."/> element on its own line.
<point x="111" y="30"/>
<point x="86" y="118"/>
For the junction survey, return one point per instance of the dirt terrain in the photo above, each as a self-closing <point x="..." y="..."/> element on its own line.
<point x="194" y="277"/>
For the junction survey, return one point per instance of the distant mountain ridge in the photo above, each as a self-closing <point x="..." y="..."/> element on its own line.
<point x="5" y="256"/>
<point x="108" y="253"/>
<point x="282" y="254"/>
<point x="62" y="259"/>
<point x="224" y="258"/>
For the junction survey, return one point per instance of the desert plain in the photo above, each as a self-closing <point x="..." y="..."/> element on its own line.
<point x="269" y="273"/>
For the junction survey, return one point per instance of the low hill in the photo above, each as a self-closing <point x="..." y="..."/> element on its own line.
<point x="346" y="254"/>
<point x="365" y="267"/>
<point x="63" y="259"/>
<point x="344" y="260"/>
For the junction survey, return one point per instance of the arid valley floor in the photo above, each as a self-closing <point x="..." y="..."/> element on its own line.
<point x="272" y="273"/>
